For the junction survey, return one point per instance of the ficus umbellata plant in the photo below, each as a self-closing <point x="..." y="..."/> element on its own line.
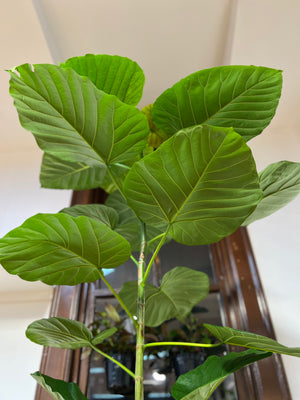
<point x="179" y="169"/>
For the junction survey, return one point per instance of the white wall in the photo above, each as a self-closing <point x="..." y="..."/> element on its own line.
<point x="267" y="33"/>
<point x="21" y="302"/>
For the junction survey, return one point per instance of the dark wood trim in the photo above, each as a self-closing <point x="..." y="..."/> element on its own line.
<point x="243" y="306"/>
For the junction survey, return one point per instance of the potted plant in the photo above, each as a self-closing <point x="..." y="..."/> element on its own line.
<point x="180" y="169"/>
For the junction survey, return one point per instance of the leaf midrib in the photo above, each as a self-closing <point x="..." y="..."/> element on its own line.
<point x="65" y="119"/>
<point x="233" y="99"/>
<point x="197" y="183"/>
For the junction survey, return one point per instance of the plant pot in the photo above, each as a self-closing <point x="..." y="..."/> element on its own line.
<point x="186" y="361"/>
<point x="117" y="380"/>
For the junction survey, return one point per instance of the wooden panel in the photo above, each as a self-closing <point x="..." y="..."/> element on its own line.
<point x="244" y="307"/>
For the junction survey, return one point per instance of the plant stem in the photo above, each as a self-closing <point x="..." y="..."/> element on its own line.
<point x="119" y="299"/>
<point x="134" y="260"/>
<point x="181" y="344"/>
<point x="113" y="360"/>
<point x="154" y="256"/>
<point x="139" y="387"/>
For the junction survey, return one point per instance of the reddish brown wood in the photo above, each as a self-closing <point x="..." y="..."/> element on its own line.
<point x="244" y="307"/>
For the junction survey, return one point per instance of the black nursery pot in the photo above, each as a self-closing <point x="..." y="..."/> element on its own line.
<point x="186" y="361"/>
<point x="117" y="380"/>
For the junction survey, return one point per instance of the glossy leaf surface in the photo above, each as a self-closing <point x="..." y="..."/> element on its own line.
<point x="280" y="183"/>
<point x="180" y="290"/>
<point x="201" y="184"/>
<point x="59" y="332"/>
<point x="242" y="97"/>
<point x="251" y="340"/>
<point x="112" y="74"/>
<point x="58" y="389"/>
<point x="201" y="382"/>
<point x="61" y="174"/>
<point x="62" y="250"/>
<point x="73" y="120"/>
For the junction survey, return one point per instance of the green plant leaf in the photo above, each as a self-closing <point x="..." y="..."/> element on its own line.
<point x="242" y="97"/>
<point x="129" y="226"/>
<point x="62" y="174"/>
<point x="251" y="340"/>
<point x="280" y="183"/>
<point x="59" y="332"/>
<point x="103" y="335"/>
<point x="58" y="389"/>
<point x="201" y="184"/>
<point x="112" y="74"/>
<point x="156" y="136"/>
<point x="201" y="382"/>
<point x="180" y="290"/>
<point x="98" y="212"/>
<point x="62" y="250"/>
<point x="73" y="120"/>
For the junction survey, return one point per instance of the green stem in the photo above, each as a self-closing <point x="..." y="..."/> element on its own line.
<point x="139" y="387"/>
<point x="154" y="256"/>
<point x="134" y="260"/>
<point x="118" y="298"/>
<point x="181" y="344"/>
<point x="113" y="360"/>
<point x="153" y="240"/>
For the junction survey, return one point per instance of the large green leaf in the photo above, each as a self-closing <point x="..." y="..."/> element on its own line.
<point x="62" y="250"/>
<point x="201" y="183"/>
<point x="61" y="174"/>
<point x="129" y="226"/>
<point x="200" y="383"/>
<point x="180" y="290"/>
<point x="242" y="97"/>
<point x="58" y="389"/>
<point x="59" y="332"/>
<point x="280" y="183"/>
<point x="73" y="120"/>
<point x="112" y="74"/>
<point x="251" y="340"/>
<point x="64" y="333"/>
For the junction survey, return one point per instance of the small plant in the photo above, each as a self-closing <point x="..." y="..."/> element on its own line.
<point x="179" y="169"/>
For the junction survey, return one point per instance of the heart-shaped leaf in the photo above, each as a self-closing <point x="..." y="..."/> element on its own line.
<point x="62" y="250"/>
<point x="59" y="332"/>
<point x="201" y="382"/>
<point x="180" y="290"/>
<point x="58" y="389"/>
<point x="201" y="184"/>
<point x="242" y="97"/>
<point x="61" y="174"/>
<point x="73" y="120"/>
<point x="251" y="340"/>
<point x="112" y="74"/>
<point x="280" y="183"/>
